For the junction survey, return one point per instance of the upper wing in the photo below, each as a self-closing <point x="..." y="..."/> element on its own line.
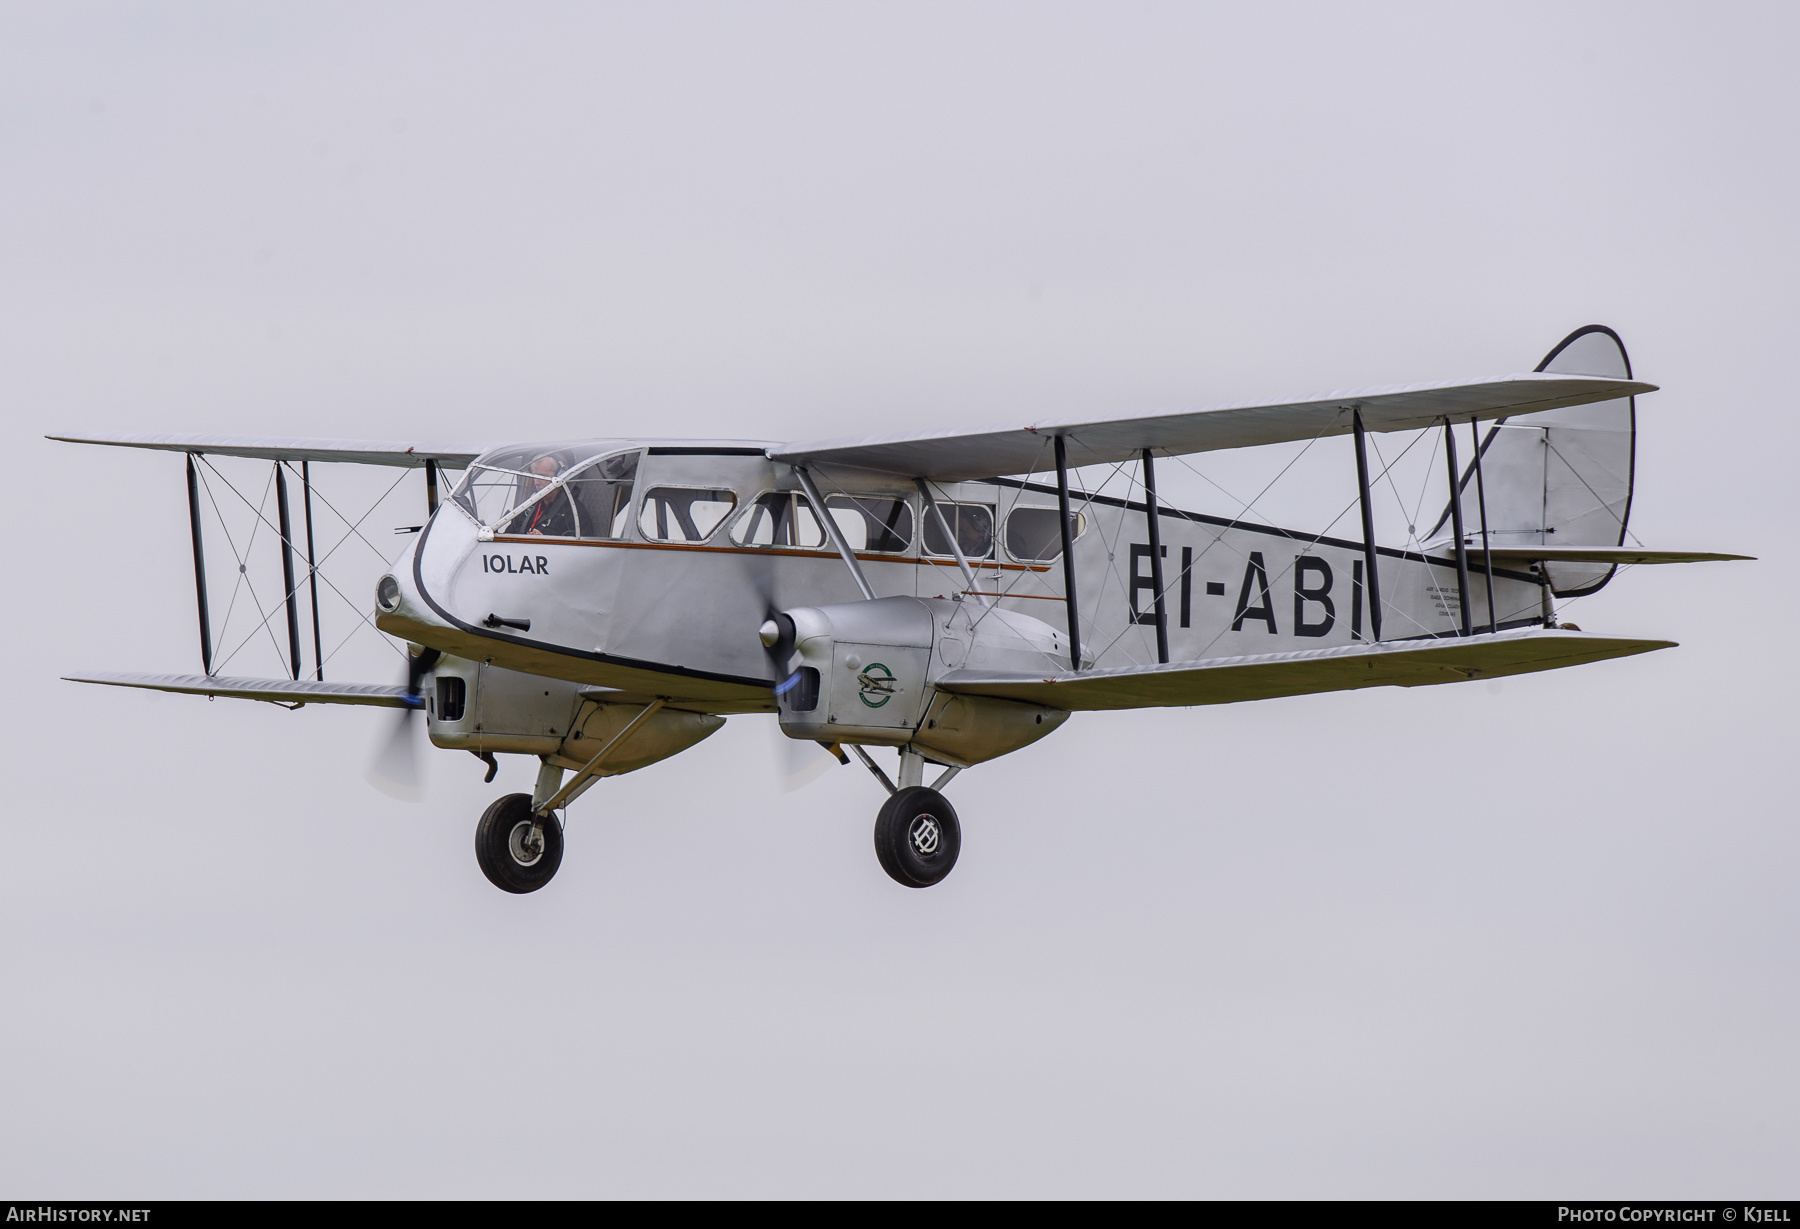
<point x="281" y="691"/>
<point x="1226" y="680"/>
<point x="283" y="448"/>
<point x="955" y="455"/>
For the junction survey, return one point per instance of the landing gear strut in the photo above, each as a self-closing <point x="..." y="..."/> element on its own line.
<point x="917" y="837"/>
<point x="518" y="851"/>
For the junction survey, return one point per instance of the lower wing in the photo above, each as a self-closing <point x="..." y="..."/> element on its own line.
<point x="1227" y="680"/>
<point x="276" y="691"/>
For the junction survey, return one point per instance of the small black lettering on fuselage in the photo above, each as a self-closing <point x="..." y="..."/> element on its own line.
<point x="535" y="564"/>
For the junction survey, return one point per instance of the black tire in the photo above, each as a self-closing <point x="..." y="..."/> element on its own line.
<point x="917" y="837"/>
<point x="502" y="845"/>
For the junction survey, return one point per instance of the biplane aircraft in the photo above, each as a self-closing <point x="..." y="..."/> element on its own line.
<point x="605" y="604"/>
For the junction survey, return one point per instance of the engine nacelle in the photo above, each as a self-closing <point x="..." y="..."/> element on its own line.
<point x="965" y="730"/>
<point x="857" y="673"/>
<point x="472" y="706"/>
<point x="865" y="672"/>
<point x="598" y="722"/>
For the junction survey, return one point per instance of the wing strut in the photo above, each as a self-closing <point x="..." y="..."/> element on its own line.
<point x="1068" y="553"/>
<point x="579" y="783"/>
<point x="1487" y="563"/>
<point x="312" y="570"/>
<point x="431" y="475"/>
<point x="1153" y="517"/>
<point x="287" y="568"/>
<point x="875" y="768"/>
<point x="1456" y="526"/>
<point x="1368" y="527"/>
<point x="193" y="480"/>
<point x="837" y="534"/>
<point x="962" y="560"/>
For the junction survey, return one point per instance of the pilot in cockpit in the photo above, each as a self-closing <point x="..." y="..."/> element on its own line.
<point x="552" y="516"/>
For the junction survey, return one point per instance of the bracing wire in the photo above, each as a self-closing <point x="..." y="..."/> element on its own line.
<point x="242" y="560"/>
<point x="262" y="519"/>
<point x="1315" y="539"/>
<point x="320" y="562"/>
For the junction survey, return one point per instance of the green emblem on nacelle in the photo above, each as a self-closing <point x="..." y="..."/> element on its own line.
<point x="876" y="689"/>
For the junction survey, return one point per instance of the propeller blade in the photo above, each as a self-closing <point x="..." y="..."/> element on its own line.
<point x="798" y="762"/>
<point x="395" y="769"/>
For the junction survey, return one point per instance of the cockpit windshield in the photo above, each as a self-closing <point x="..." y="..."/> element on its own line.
<point x="551" y="491"/>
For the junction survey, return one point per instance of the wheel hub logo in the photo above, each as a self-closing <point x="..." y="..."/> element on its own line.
<point x="876" y="685"/>
<point x="924" y="835"/>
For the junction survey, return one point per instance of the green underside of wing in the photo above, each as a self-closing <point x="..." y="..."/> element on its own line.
<point x="1229" y="680"/>
<point x="277" y="691"/>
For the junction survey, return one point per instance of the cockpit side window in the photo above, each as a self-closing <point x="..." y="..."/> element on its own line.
<point x="780" y="518"/>
<point x="602" y="496"/>
<point x="547" y="510"/>
<point x="492" y="486"/>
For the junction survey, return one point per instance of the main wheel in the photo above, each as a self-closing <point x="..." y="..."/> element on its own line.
<point x="917" y="837"/>
<point x="518" y="851"/>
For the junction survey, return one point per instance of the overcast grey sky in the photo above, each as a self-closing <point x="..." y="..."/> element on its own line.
<point x="1524" y="939"/>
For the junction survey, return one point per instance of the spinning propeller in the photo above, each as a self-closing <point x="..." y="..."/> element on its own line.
<point x="395" y="769"/>
<point x="798" y="762"/>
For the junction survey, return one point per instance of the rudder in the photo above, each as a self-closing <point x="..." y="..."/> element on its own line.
<point x="1564" y="477"/>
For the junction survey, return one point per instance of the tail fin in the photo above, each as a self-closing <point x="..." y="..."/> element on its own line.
<point x="1564" y="477"/>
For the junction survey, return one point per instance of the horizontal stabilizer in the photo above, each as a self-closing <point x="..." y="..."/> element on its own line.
<point x="284" y="448"/>
<point x="279" y="691"/>
<point x="1620" y="555"/>
<point x="1227" y="680"/>
<point x="1024" y="448"/>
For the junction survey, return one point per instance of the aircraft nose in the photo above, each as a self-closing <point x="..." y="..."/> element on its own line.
<point x="399" y="608"/>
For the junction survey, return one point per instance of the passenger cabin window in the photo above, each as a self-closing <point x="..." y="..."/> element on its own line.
<point x="683" y="514"/>
<point x="780" y="518"/>
<point x="973" y="525"/>
<point x="1033" y="535"/>
<point x="872" y="524"/>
